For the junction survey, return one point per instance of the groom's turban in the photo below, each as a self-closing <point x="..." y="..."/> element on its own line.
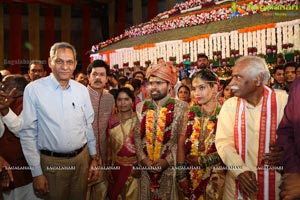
<point x="163" y="70"/>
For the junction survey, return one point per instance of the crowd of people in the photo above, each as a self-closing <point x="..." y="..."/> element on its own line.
<point x="159" y="135"/>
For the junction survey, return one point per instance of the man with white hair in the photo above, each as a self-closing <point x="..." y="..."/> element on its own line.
<point x="247" y="130"/>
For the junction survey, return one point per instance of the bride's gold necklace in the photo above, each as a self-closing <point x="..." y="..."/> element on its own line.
<point x="207" y="114"/>
<point x="203" y="124"/>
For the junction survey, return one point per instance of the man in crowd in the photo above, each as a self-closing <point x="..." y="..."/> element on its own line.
<point x="278" y="75"/>
<point x="187" y="81"/>
<point x="11" y="150"/>
<point x="82" y="78"/>
<point x="143" y="92"/>
<point x="112" y="82"/>
<point x="246" y="128"/>
<point x="36" y="70"/>
<point x="290" y="74"/>
<point x="160" y="121"/>
<point x="8" y="117"/>
<point x="202" y="62"/>
<point x="57" y="135"/>
<point x="298" y="70"/>
<point x="288" y="140"/>
<point x="103" y="104"/>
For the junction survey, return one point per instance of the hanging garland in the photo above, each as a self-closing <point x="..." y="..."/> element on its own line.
<point x="153" y="146"/>
<point x="199" y="177"/>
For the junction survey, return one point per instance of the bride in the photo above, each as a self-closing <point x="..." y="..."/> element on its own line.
<point x="198" y="163"/>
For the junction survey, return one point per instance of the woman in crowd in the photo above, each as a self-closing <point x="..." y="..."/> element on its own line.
<point x="199" y="174"/>
<point x="184" y="93"/>
<point x="124" y="181"/>
<point x="226" y="92"/>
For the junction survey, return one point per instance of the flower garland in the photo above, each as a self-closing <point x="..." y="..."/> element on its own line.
<point x="163" y="134"/>
<point x="149" y="131"/>
<point x="163" y="130"/>
<point x="194" y="138"/>
<point x="199" y="177"/>
<point x="154" y="151"/>
<point x="159" y="24"/>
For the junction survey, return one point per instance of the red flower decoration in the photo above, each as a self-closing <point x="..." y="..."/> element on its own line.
<point x="167" y="136"/>
<point x="187" y="147"/>
<point x="191" y="115"/>
<point x="189" y="130"/>
<point x="165" y="153"/>
<point x="143" y="127"/>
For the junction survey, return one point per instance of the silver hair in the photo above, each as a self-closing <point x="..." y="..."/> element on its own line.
<point x="61" y="45"/>
<point x="255" y="65"/>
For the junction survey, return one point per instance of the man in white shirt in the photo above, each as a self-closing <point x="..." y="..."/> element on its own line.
<point x="57" y="136"/>
<point x="246" y="129"/>
<point x="11" y="150"/>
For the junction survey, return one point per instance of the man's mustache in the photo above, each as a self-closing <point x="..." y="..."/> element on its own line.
<point x="234" y="87"/>
<point x="97" y="81"/>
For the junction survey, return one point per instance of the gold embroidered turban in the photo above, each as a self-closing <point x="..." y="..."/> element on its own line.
<point x="163" y="70"/>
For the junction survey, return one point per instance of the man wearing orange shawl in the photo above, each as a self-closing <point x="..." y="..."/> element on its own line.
<point x="160" y="120"/>
<point x="247" y="129"/>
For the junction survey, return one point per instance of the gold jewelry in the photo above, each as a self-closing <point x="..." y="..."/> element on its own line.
<point x="211" y="113"/>
<point x="203" y="125"/>
<point x="124" y="120"/>
<point x="202" y="136"/>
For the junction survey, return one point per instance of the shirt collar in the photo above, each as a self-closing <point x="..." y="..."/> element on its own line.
<point x="55" y="84"/>
<point x="92" y="91"/>
<point x="250" y="106"/>
<point x="162" y="101"/>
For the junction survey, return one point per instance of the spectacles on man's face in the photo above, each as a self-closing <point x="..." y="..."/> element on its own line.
<point x="60" y="62"/>
<point x="157" y="83"/>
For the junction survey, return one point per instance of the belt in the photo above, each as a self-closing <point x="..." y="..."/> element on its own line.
<point x="63" y="155"/>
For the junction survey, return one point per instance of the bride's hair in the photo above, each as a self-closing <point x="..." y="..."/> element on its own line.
<point x="207" y="76"/>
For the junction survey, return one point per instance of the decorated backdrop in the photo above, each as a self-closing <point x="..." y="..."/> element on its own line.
<point x="266" y="40"/>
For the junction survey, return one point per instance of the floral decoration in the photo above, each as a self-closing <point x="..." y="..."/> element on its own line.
<point x="163" y="134"/>
<point x="166" y="21"/>
<point x="198" y="176"/>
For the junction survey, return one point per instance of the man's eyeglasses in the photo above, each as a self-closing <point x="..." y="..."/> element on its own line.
<point x="158" y="83"/>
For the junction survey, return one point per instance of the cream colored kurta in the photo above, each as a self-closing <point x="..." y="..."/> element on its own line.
<point x="225" y="140"/>
<point x="167" y="181"/>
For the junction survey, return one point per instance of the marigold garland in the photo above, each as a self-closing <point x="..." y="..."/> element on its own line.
<point x="197" y="176"/>
<point x="163" y="135"/>
<point x="195" y="138"/>
<point x="154" y="151"/>
<point x="160" y="133"/>
<point x="163" y="130"/>
<point x="149" y="131"/>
